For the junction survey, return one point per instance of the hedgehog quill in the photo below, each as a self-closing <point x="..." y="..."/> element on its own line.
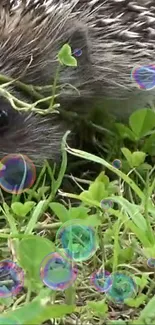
<point x="114" y="36"/>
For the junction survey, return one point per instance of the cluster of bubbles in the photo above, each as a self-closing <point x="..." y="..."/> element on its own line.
<point x="11" y="279"/>
<point x="144" y="76"/>
<point x="59" y="271"/>
<point x="117" y="286"/>
<point x="17" y="173"/>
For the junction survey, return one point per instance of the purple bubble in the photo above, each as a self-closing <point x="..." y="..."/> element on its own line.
<point x="17" y="173"/>
<point x="100" y="280"/>
<point x="11" y="279"/>
<point x="57" y="273"/>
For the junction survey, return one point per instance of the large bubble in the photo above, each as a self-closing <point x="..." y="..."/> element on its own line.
<point x="144" y="76"/>
<point x="98" y="278"/>
<point x="17" y="173"/>
<point x="57" y="272"/>
<point x="78" y="240"/>
<point x="11" y="279"/>
<point x="123" y="287"/>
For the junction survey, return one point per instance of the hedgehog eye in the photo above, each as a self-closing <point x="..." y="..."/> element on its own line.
<point x="4" y="120"/>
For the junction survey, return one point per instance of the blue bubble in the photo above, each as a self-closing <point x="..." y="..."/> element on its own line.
<point x="97" y="280"/>
<point x="17" y="173"/>
<point x="57" y="273"/>
<point x="77" y="52"/>
<point x="117" y="163"/>
<point x="151" y="263"/>
<point x="123" y="287"/>
<point x="144" y="76"/>
<point x="78" y="241"/>
<point x="11" y="279"/>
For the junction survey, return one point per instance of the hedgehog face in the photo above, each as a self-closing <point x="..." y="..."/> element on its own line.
<point x="37" y="137"/>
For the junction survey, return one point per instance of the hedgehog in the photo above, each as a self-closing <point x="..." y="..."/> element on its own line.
<point x="114" y="36"/>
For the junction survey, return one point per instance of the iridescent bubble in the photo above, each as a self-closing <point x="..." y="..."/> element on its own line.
<point x="106" y="204"/>
<point x="78" y="240"/>
<point x="11" y="279"/>
<point x="7" y="321"/>
<point x="97" y="280"/>
<point x="144" y="76"/>
<point x="123" y="287"/>
<point x="117" y="163"/>
<point x="151" y="263"/>
<point x="57" y="273"/>
<point x="17" y="173"/>
<point x="77" y="52"/>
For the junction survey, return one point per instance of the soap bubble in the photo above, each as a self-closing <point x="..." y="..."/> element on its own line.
<point x="78" y="240"/>
<point x="151" y="263"/>
<point x="77" y="52"/>
<point x="144" y="76"/>
<point x="117" y="163"/>
<point x="123" y="287"/>
<point x="97" y="280"/>
<point x="106" y="204"/>
<point x="17" y="173"/>
<point x="7" y="321"/>
<point x="11" y="279"/>
<point x="57" y="273"/>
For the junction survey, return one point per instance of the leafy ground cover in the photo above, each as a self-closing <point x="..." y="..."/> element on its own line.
<point x="116" y="202"/>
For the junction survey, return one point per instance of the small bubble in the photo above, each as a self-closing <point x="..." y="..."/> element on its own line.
<point x="78" y="241"/>
<point x="106" y="204"/>
<point x="57" y="273"/>
<point x="144" y="76"/>
<point x="97" y="280"/>
<point x="117" y="163"/>
<point x="123" y="287"/>
<point x="17" y="174"/>
<point x="11" y="279"/>
<point x="151" y="263"/>
<point x="77" y="52"/>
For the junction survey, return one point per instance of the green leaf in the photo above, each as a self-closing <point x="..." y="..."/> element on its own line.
<point x="127" y="154"/>
<point x="37" y="312"/>
<point x="133" y="211"/>
<point x="142" y="121"/>
<point x="149" y="145"/>
<point x="78" y="213"/>
<point x="148" y="311"/>
<point x="138" y="158"/>
<point x="97" y="191"/>
<point x="35" y="217"/>
<point x="125" y="132"/>
<point x="22" y="209"/>
<point x="65" y="56"/>
<point x="99" y="308"/>
<point x="136" y="302"/>
<point x="60" y="211"/>
<point x="31" y="252"/>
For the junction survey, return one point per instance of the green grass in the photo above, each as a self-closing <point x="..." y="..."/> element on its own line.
<point x="79" y="191"/>
<point x="124" y="234"/>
